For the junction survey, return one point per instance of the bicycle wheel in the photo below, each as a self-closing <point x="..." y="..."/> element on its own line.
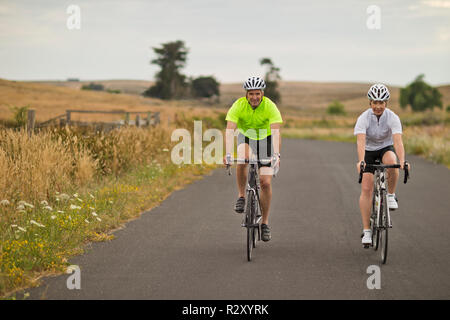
<point x="254" y="214"/>
<point x="375" y="235"/>
<point x="374" y="226"/>
<point x="249" y="222"/>
<point x="249" y="243"/>
<point x="384" y="229"/>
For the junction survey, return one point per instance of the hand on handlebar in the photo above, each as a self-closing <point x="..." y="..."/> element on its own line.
<point x="227" y="159"/>
<point x="360" y="165"/>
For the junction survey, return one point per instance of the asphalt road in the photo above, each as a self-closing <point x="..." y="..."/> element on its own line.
<point x="192" y="245"/>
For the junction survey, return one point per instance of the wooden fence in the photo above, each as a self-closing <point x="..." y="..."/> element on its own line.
<point x="150" y="119"/>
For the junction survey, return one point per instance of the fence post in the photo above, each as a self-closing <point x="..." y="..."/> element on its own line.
<point x="147" y="121"/>
<point x="127" y="118"/>
<point x="156" y="120"/>
<point x="31" y="120"/>
<point x="68" y="117"/>
<point x="138" y="121"/>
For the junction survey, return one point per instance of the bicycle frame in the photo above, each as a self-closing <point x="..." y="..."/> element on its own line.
<point x="253" y="187"/>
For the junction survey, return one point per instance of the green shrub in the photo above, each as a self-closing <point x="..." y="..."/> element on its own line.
<point x="336" y="108"/>
<point x="20" y="115"/>
<point x="93" y="86"/>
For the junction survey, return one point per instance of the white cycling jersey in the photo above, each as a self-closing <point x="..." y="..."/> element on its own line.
<point x="378" y="131"/>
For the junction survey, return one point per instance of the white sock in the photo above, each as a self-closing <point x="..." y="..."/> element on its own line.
<point x="391" y="194"/>
<point x="367" y="230"/>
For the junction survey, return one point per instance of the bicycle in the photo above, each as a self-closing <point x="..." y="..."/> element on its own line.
<point x="252" y="218"/>
<point x="380" y="219"/>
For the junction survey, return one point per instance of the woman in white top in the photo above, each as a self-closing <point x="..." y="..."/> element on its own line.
<point x="379" y="137"/>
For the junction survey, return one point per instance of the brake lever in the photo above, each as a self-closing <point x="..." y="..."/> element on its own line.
<point x="361" y="171"/>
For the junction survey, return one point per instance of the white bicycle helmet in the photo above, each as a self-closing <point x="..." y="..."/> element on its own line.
<point x="254" y="83"/>
<point x="378" y="92"/>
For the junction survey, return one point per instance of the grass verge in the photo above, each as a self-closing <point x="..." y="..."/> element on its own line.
<point x="46" y="236"/>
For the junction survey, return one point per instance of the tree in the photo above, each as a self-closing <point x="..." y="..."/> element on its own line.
<point x="170" y="83"/>
<point x="205" y="87"/>
<point x="420" y="95"/>
<point x="271" y="78"/>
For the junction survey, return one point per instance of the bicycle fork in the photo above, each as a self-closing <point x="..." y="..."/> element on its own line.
<point x="384" y="192"/>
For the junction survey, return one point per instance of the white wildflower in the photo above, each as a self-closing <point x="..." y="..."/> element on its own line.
<point x="74" y="207"/>
<point x="20" y="207"/>
<point x="63" y="197"/>
<point x="28" y="205"/>
<point x="60" y="211"/>
<point x="44" y="203"/>
<point x="91" y="196"/>
<point x="79" y="200"/>
<point x="37" y="224"/>
<point x="94" y="214"/>
<point x="48" y="208"/>
<point x="14" y="226"/>
<point x="110" y="201"/>
<point x="53" y="217"/>
<point x="4" y="202"/>
<point x="86" y="220"/>
<point x="75" y="195"/>
<point x="91" y="208"/>
<point x="165" y="150"/>
<point x="22" y="229"/>
<point x="99" y="219"/>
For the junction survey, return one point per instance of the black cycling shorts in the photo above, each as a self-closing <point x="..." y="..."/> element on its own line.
<point x="371" y="156"/>
<point x="263" y="148"/>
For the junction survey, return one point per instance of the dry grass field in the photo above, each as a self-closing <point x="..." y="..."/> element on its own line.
<point x="309" y="98"/>
<point x="298" y="98"/>
<point x="52" y="100"/>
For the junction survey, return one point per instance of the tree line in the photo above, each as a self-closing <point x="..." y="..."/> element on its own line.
<point x="170" y="83"/>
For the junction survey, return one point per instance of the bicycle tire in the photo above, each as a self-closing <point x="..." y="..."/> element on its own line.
<point x="374" y="234"/>
<point x="374" y="225"/>
<point x="385" y="227"/>
<point x="249" y="244"/>
<point x="249" y="222"/>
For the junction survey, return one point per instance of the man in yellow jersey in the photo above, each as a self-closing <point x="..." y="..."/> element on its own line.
<point x="258" y="121"/>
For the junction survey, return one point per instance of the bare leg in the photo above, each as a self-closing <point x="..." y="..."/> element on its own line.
<point x="242" y="169"/>
<point x="265" y="181"/>
<point x="392" y="174"/>
<point x="365" y="200"/>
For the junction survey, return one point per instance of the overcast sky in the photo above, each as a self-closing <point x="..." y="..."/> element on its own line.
<point x="308" y="40"/>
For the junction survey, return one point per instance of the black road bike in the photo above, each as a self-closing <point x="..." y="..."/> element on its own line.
<point x="252" y="217"/>
<point x="380" y="219"/>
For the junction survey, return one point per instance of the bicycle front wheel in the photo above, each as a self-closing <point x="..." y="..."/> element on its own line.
<point x="250" y="237"/>
<point x="249" y="222"/>
<point x="384" y="230"/>
<point x="374" y="224"/>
